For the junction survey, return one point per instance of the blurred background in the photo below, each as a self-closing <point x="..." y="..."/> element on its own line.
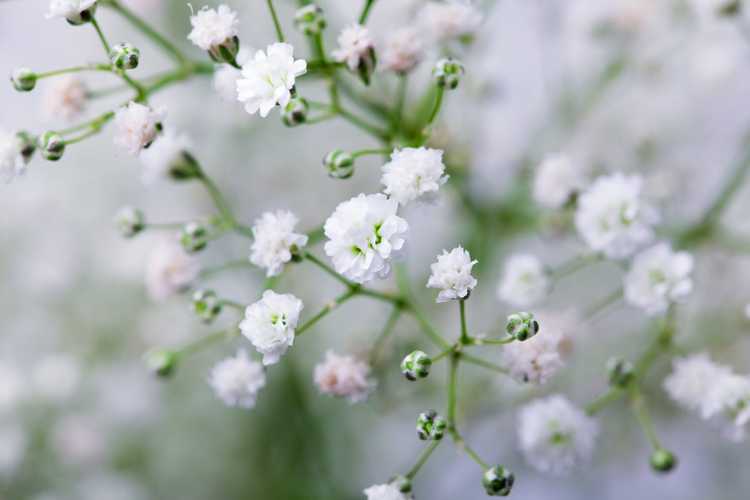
<point x="654" y="87"/>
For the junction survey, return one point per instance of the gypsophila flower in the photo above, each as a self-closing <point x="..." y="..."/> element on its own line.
<point x="166" y="154"/>
<point x="613" y="218"/>
<point x="452" y="19"/>
<point x="524" y="281"/>
<point x="414" y="173"/>
<point x="451" y="273"/>
<point x="385" y="492"/>
<point x="237" y="380"/>
<point x="12" y="162"/>
<point x="355" y="44"/>
<point x="402" y="50"/>
<point x="169" y="269"/>
<point x="137" y="126"/>
<point x="557" y="179"/>
<point x="75" y="11"/>
<point x="213" y="27"/>
<point x="226" y="76"/>
<point x="65" y="98"/>
<point x="268" y="78"/>
<point x="555" y="435"/>
<point x="344" y="377"/>
<point x="364" y="234"/>
<point x="538" y="358"/>
<point x="658" y="277"/>
<point x="274" y="241"/>
<point x="269" y="324"/>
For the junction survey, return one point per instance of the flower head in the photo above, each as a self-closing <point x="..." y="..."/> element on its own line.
<point x="213" y="27"/>
<point x="414" y="173"/>
<point x="355" y="45"/>
<point x="268" y="78"/>
<point x="557" y="179"/>
<point x="385" y="492"/>
<point x="658" y="277"/>
<point x="452" y="19"/>
<point x="402" y="50"/>
<point x="137" y="126"/>
<point x="274" y="241"/>
<point x="66" y="97"/>
<point x="451" y="273"/>
<point x="12" y="162"/>
<point x="75" y="11"/>
<point x="364" y="234"/>
<point x="524" y="281"/>
<point x="237" y="380"/>
<point x="344" y="377"/>
<point x="269" y="324"/>
<point x="164" y="156"/>
<point x="169" y="269"/>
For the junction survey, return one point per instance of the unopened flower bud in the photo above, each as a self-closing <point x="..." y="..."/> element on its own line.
<point x="225" y="52"/>
<point x="295" y="112"/>
<point x="51" y="146"/>
<point x="366" y="67"/>
<point x="431" y="426"/>
<point x="310" y="20"/>
<point x="416" y="365"/>
<point x="161" y="362"/>
<point x="77" y="18"/>
<point x="340" y="164"/>
<point x="620" y="372"/>
<point x="124" y="56"/>
<point x="23" y="79"/>
<point x="206" y="305"/>
<point x="129" y="221"/>
<point x="498" y="481"/>
<point x="401" y="483"/>
<point x="663" y="460"/>
<point x="448" y="73"/>
<point x="522" y="326"/>
<point x="28" y="145"/>
<point x="193" y="237"/>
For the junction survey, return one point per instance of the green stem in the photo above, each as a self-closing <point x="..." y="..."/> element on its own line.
<point x="390" y="324"/>
<point x="147" y="30"/>
<point x="323" y="312"/>
<point x="471" y="453"/>
<point x="427" y="328"/>
<point x="102" y="38"/>
<point x="423" y="457"/>
<point x="219" y="201"/>
<point x="452" y="391"/>
<point x="276" y="24"/>
<point x="328" y="269"/>
<point x="596" y="308"/>
<point x="366" y="11"/>
<point x="208" y="340"/>
<point x="400" y="101"/>
<point x="481" y="341"/>
<point x="234" y="264"/>
<point x="464" y="330"/>
<point x="84" y="136"/>
<point x="76" y="69"/>
<point x="612" y="395"/>
<point x="367" y="152"/>
<point x="644" y="418"/>
<point x="426" y="130"/>
<point x="232" y="304"/>
<point x="484" y="364"/>
<point x="358" y="122"/>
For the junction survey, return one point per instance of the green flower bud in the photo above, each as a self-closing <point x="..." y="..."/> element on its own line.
<point x="431" y="426"/>
<point x="193" y="237"/>
<point x="663" y="460"/>
<point x="310" y="20"/>
<point x="522" y="326"/>
<point x="130" y="221"/>
<point x="23" y="79"/>
<point x="447" y="73"/>
<point x="161" y="362"/>
<point x="124" y="56"/>
<point x="416" y="365"/>
<point x="498" y="481"/>
<point x="51" y="146"/>
<point x="225" y="52"/>
<point x="366" y="66"/>
<point x="340" y="164"/>
<point x="206" y="305"/>
<point x="28" y="145"/>
<point x="184" y="167"/>
<point x="620" y="372"/>
<point x="295" y="112"/>
<point x="401" y="483"/>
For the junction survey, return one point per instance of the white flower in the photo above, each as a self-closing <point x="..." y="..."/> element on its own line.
<point x="269" y="324"/>
<point x="12" y="163"/>
<point x="555" y="435"/>
<point x="226" y="76"/>
<point x="66" y="97"/>
<point x="403" y="50"/>
<point x="658" y="277"/>
<point x="535" y="360"/>
<point x="213" y="27"/>
<point x="451" y="273"/>
<point x="237" y="380"/>
<point x="729" y="400"/>
<point x="274" y="238"/>
<point x="556" y="180"/>
<point x="414" y="173"/>
<point x="137" y="126"/>
<point x="524" y="281"/>
<point x="268" y="78"/>
<point x="69" y="9"/>
<point x="452" y="19"/>
<point x="56" y="377"/>
<point x="384" y="492"/>
<point x="364" y="234"/>
<point x="612" y="218"/>
<point x="169" y="269"/>
<point x="355" y="44"/>
<point x="343" y="376"/>
<point x="167" y="150"/>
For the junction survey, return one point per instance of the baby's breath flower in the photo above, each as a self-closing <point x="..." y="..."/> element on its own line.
<point x="66" y="97"/>
<point x="451" y="273"/>
<point x="402" y="50"/>
<point x="12" y="162"/>
<point x="226" y="76"/>
<point x="169" y="269"/>
<point x="237" y="380"/>
<point x="137" y="126"/>
<point x="556" y="181"/>
<point x="275" y="241"/>
<point x="213" y="28"/>
<point x="658" y="277"/>
<point x="269" y="324"/>
<point x="385" y="492"/>
<point x="443" y="21"/>
<point x="357" y="50"/>
<point x="414" y="173"/>
<point x="524" y="281"/>
<point x="344" y="377"/>
<point x="74" y="11"/>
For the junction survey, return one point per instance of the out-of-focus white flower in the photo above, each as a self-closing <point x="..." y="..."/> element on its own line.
<point x="65" y="98"/>
<point x="355" y="44"/>
<point x="137" y="126"/>
<point x="13" y="450"/>
<point x="384" y="492"/>
<point x="524" y="281"/>
<point x="364" y="234"/>
<point x="452" y="19"/>
<point x="69" y="9"/>
<point x="11" y="387"/>
<point x="402" y="50"/>
<point x="269" y="324"/>
<point x="267" y="79"/>
<point x="213" y="27"/>
<point x="56" y="376"/>
<point x="12" y="163"/>
<point x="451" y="273"/>
<point x="658" y="277"/>
<point x="557" y="179"/>
<point x="226" y="76"/>
<point x="237" y="380"/>
<point x="613" y="218"/>
<point x="535" y="360"/>
<point x="78" y="439"/>
<point x="169" y="269"/>
<point x="344" y="377"/>
<point x="414" y="173"/>
<point x="161" y="156"/>
<point x="555" y="435"/>
<point x="274" y="238"/>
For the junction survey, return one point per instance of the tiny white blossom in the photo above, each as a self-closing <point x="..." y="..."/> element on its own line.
<point x="414" y="173"/>
<point x="12" y="162"/>
<point x="613" y="218"/>
<point x="237" y="380"/>
<point x="226" y="76"/>
<point x="557" y="179"/>
<point x="364" y="234"/>
<point x="162" y="155"/>
<point x="451" y="273"/>
<point x="213" y="27"/>
<point x="402" y="50"/>
<point x="452" y="19"/>
<point x="344" y="377"/>
<point x="524" y="281"/>
<point x="355" y="43"/>
<point x="384" y="492"/>
<point x="56" y="376"/>
<point x="537" y="359"/>
<point x="267" y="79"/>
<point x="69" y="9"/>
<point x="137" y="126"/>
<point x="169" y="269"/>
<point x="274" y="238"/>
<point x="65" y="98"/>
<point x="555" y="435"/>
<point x="269" y="324"/>
<point x="658" y="277"/>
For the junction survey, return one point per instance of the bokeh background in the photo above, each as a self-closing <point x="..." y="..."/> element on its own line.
<point x="655" y="87"/>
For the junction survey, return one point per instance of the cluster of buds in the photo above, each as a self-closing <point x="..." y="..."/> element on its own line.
<point x="194" y="237"/>
<point x="23" y="79"/>
<point x="130" y="221"/>
<point x="448" y="73"/>
<point x="295" y="112"/>
<point x="522" y="326"/>
<point x="620" y="372"/>
<point x="51" y="146"/>
<point x="206" y="305"/>
<point x="310" y="20"/>
<point x="124" y="56"/>
<point x="340" y="164"/>
<point x="431" y="426"/>
<point x="416" y="365"/>
<point x="498" y="481"/>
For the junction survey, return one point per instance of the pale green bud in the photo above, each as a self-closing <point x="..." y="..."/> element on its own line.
<point x="431" y="426"/>
<point x="51" y="146"/>
<point x="295" y="112"/>
<point x="124" y="56"/>
<point x="23" y="79"/>
<point x="193" y="237"/>
<point x="206" y="305"/>
<point x="663" y="460"/>
<point x="226" y="52"/>
<point x="620" y="372"/>
<point x="130" y="221"/>
<point x="161" y="362"/>
<point x="340" y="164"/>
<point x="522" y="326"/>
<point x="448" y="73"/>
<point x="310" y="20"/>
<point x="416" y="365"/>
<point x="498" y="481"/>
